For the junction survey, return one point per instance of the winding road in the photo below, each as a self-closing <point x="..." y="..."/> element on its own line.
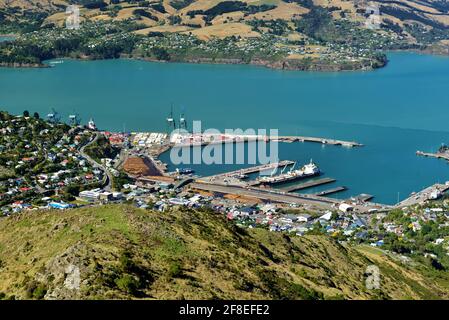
<point x="108" y="176"/>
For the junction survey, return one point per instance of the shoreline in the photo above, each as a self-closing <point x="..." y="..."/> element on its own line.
<point x="284" y="65"/>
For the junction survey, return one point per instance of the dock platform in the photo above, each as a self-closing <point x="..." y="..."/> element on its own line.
<point x="331" y="191"/>
<point x="231" y="177"/>
<point x="363" y="197"/>
<point x="207" y="139"/>
<point x="317" y="140"/>
<point x="438" y="155"/>
<point x="308" y="184"/>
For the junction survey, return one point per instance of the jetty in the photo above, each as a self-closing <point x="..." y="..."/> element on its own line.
<point x="308" y="184"/>
<point x="202" y="139"/>
<point x="316" y="140"/>
<point x="331" y="191"/>
<point x="438" y="155"/>
<point x="363" y="197"/>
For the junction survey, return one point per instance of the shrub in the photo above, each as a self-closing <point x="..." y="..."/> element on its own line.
<point x="174" y="270"/>
<point x="128" y="284"/>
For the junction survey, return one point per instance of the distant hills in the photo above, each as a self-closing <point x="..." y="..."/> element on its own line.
<point x="421" y="21"/>
<point x="120" y="252"/>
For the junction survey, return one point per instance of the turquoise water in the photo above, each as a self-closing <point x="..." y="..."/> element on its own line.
<point x="394" y="111"/>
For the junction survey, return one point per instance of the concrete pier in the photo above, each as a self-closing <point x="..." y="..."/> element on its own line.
<point x="308" y="184"/>
<point x="438" y="155"/>
<point x="195" y="140"/>
<point x="331" y="191"/>
<point x="363" y="197"/>
<point x="318" y="140"/>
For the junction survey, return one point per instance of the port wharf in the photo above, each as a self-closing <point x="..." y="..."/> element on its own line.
<point x="250" y="170"/>
<point x="308" y="184"/>
<point x="331" y="191"/>
<point x="438" y="155"/>
<point x="232" y="182"/>
<point x="277" y="196"/>
<point x="430" y="193"/>
<point x="202" y="139"/>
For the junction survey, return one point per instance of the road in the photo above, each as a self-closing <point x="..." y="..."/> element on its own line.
<point x="108" y="176"/>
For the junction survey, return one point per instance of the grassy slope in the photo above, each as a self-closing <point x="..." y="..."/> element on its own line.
<point x="186" y="255"/>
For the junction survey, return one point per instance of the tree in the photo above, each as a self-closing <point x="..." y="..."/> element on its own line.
<point x="26" y="113"/>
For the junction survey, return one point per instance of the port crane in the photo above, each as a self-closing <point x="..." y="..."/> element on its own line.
<point x="74" y="119"/>
<point x="182" y="122"/>
<point x="53" y="116"/>
<point x="171" y="121"/>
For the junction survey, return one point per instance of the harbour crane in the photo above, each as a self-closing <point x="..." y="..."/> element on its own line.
<point x="171" y="121"/>
<point x="53" y="116"/>
<point x="182" y="122"/>
<point x="74" y="119"/>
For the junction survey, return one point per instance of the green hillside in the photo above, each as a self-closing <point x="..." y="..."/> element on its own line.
<point x="121" y="252"/>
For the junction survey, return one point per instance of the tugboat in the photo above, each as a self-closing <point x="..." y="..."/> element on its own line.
<point x="185" y="171"/>
<point x="241" y="176"/>
<point x="308" y="170"/>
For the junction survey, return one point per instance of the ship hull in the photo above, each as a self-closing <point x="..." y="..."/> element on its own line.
<point x="289" y="179"/>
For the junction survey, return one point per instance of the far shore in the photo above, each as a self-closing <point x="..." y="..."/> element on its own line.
<point x="284" y="64"/>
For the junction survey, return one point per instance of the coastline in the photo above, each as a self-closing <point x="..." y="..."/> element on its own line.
<point x="284" y="64"/>
<point x="22" y="65"/>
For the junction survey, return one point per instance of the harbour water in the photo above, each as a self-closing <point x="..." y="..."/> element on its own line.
<point x="393" y="111"/>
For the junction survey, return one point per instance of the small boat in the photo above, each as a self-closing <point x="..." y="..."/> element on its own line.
<point x="185" y="171"/>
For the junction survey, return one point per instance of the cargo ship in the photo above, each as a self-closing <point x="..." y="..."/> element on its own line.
<point x="308" y="170"/>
